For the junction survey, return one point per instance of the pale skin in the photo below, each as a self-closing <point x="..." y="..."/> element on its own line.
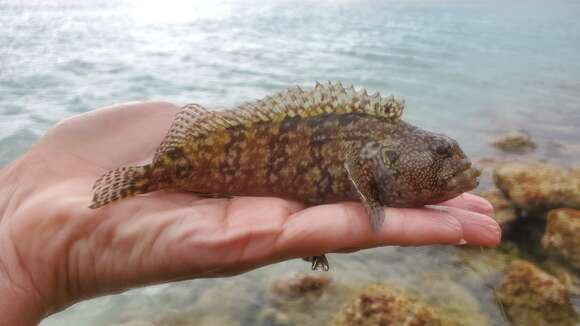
<point x="55" y="251"/>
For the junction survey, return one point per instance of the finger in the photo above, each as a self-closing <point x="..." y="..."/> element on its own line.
<point x="478" y="229"/>
<point x="470" y="202"/>
<point x="331" y="228"/>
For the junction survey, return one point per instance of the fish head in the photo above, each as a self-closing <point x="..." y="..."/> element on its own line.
<point x="415" y="167"/>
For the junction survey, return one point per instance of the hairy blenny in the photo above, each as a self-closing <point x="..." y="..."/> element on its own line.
<point x="328" y="144"/>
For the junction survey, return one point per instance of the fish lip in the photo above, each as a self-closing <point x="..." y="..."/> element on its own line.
<point x="468" y="178"/>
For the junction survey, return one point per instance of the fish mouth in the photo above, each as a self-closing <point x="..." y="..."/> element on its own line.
<point x="465" y="180"/>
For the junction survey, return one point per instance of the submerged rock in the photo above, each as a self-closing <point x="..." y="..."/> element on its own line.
<point x="530" y="296"/>
<point x="382" y="305"/>
<point x="514" y="141"/>
<point x="538" y="187"/>
<point x="562" y="237"/>
<point x="307" y="299"/>
<point x="487" y="262"/>
<point x="569" y="278"/>
<point x="505" y="211"/>
<point x="454" y="303"/>
<point x="307" y="287"/>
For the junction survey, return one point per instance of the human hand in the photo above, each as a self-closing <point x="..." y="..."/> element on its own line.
<point x="54" y="250"/>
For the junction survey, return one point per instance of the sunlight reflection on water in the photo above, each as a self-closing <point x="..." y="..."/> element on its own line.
<point x="178" y="11"/>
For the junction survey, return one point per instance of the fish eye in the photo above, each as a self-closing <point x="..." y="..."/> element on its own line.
<point x="443" y="149"/>
<point x="390" y="156"/>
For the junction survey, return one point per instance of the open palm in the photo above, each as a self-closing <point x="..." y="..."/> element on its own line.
<point x="62" y="251"/>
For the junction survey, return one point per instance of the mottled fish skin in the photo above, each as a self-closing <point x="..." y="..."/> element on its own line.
<point x="325" y="145"/>
<point x="304" y="159"/>
<point x="301" y="159"/>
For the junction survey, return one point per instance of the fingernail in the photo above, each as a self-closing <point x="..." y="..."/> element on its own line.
<point x="461" y="242"/>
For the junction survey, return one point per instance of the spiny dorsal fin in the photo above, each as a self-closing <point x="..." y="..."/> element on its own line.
<point x="194" y="121"/>
<point x="329" y="98"/>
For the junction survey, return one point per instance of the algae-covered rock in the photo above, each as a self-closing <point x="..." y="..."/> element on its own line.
<point x="454" y="303"/>
<point x="308" y="287"/>
<point x="562" y="237"/>
<point x="487" y="262"/>
<point x="569" y="278"/>
<point x="505" y="212"/>
<point x="530" y="296"/>
<point x="538" y="187"/>
<point x="382" y="305"/>
<point x="514" y="141"/>
<point x="304" y="299"/>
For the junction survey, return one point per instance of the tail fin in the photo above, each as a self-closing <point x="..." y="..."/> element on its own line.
<point x="123" y="182"/>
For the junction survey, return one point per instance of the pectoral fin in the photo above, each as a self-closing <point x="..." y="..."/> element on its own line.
<point x="362" y="179"/>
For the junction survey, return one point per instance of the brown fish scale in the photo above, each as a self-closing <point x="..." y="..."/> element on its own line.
<point x="298" y="158"/>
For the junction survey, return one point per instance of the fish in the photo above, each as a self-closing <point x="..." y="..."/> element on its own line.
<point x="324" y="145"/>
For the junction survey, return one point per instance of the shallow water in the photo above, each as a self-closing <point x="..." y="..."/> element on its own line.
<point x="467" y="69"/>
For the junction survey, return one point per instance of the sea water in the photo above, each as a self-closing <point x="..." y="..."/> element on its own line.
<point x="470" y="69"/>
